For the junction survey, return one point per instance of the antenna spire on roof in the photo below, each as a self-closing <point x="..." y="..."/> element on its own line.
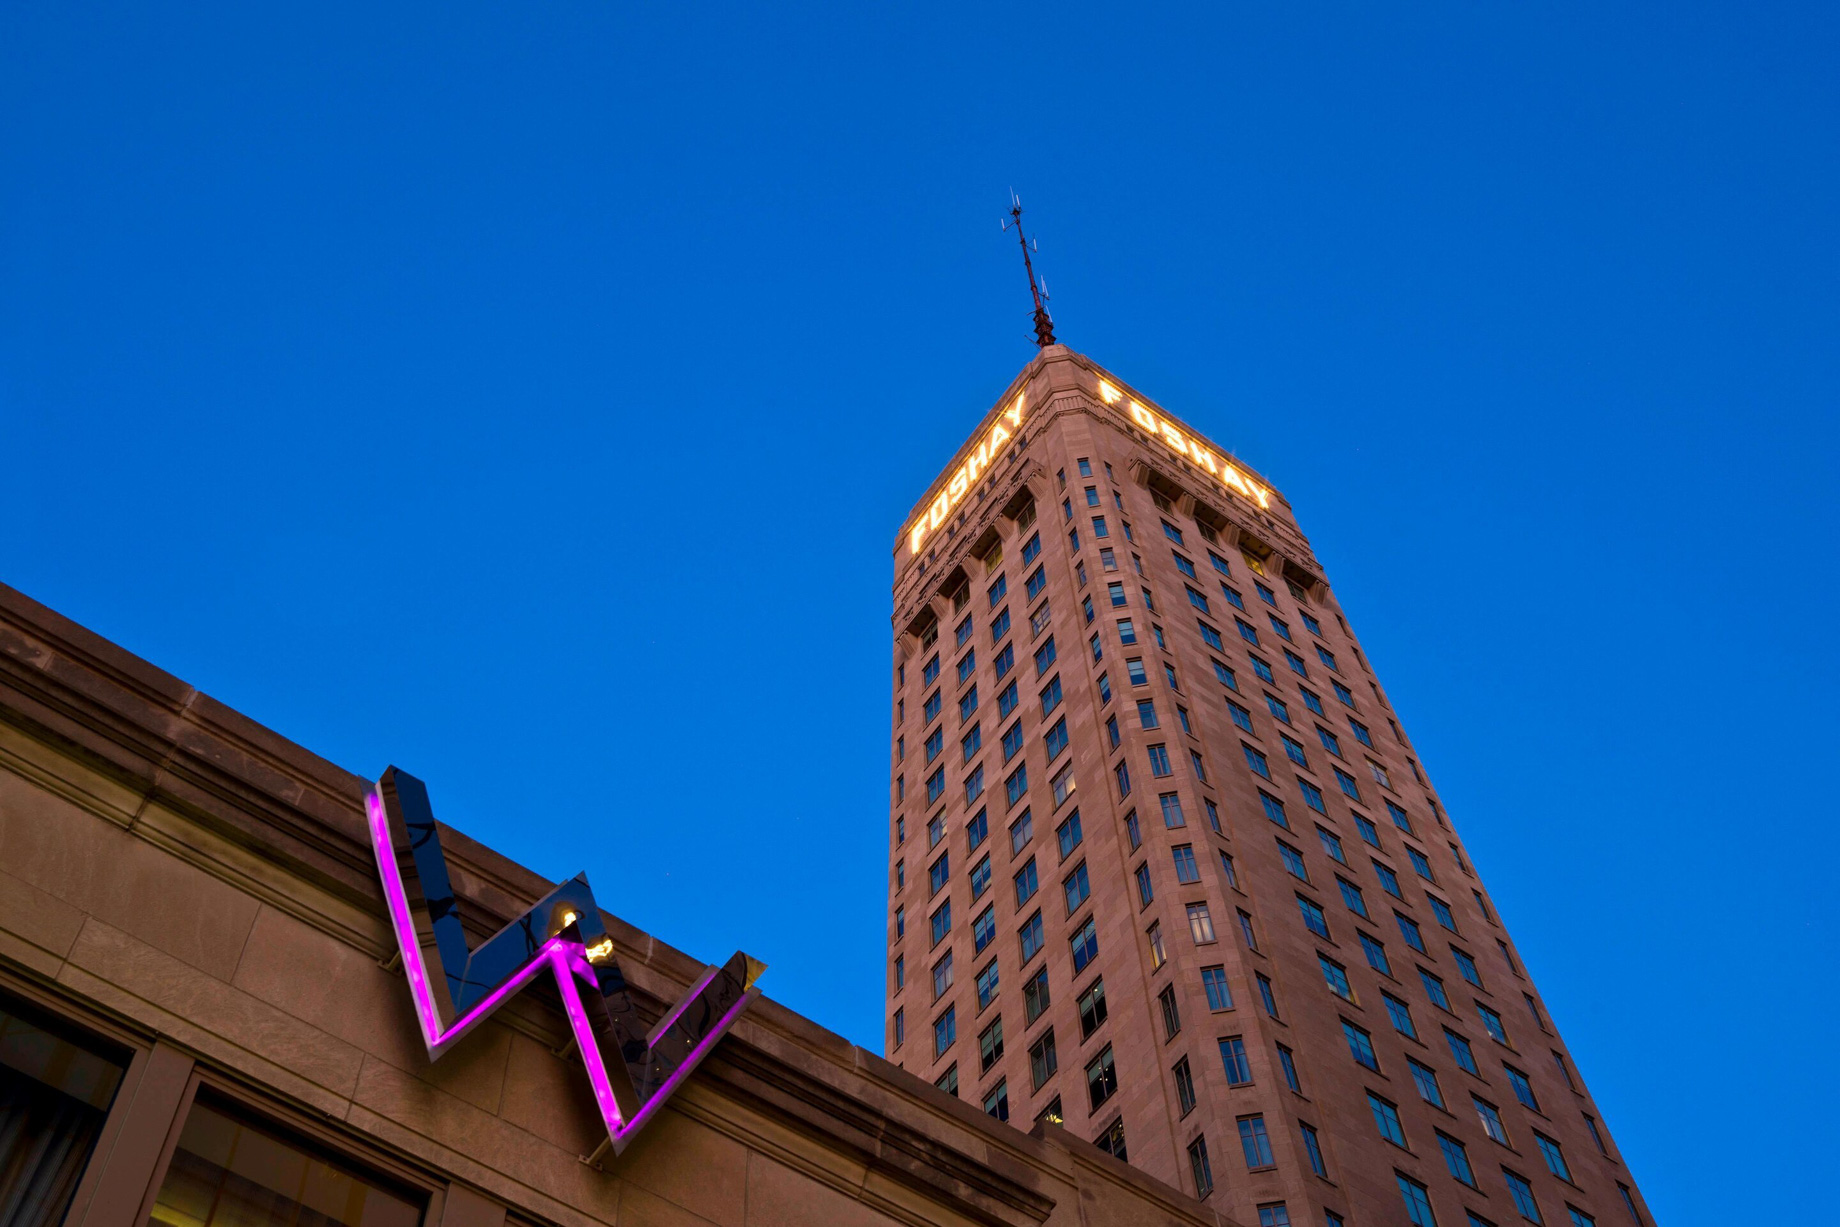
<point x="1044" y="323"/>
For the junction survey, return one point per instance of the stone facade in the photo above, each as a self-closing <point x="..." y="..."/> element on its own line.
<point x="1300" y="801"/>
<point x="190" y="887"/>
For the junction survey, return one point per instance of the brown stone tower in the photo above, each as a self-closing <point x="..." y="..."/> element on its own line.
<point x="1164" y="868"/>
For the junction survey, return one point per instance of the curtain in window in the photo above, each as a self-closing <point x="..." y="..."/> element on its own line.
<point x="54" y="1097"/>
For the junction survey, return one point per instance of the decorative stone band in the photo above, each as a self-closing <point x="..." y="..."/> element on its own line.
<point x="631" y="1071"/>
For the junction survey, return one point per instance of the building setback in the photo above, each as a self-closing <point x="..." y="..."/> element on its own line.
<point x="1165" y="867"/>
<point x="203" y="1021"/>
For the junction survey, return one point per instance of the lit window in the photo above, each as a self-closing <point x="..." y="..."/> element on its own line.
<point x="1200" y="924"/>
<point x="1101" y="1078"/>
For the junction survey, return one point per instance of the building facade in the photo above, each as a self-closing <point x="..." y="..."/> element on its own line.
<point x="1164" y="866"/>
<point x="205" y="1019"/>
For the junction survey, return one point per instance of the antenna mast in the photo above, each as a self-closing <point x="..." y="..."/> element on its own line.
<point x="1044" y="323"/>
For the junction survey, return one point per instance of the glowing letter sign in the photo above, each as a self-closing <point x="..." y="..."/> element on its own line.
<point x="1190" y="449"/>
<point x="631" y="1070"/>
<point x="965" y="476"/>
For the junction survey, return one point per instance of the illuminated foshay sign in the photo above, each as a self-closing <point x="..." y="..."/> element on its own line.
<point x="1188" y="447"/>
<point x="965" y="476"/>
<point x="632" y="1071"/>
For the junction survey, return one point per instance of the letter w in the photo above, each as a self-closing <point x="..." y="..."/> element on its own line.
<point x="632" y="1070"/>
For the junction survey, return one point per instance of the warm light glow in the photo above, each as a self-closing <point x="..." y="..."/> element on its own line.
<point x="965" y="476"/>
<point x="1190" y="449"/>
<point x="599" y="950"/>
<point x="569" y="918"/>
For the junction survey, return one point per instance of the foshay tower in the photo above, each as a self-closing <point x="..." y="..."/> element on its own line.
<point x="1164" y="867"/>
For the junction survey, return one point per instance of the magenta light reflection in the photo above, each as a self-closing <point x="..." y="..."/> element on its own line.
<point x="566" y="960"/>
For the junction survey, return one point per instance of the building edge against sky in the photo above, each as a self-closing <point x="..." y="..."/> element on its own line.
<point x="206" y="1021"/>
<point x="1165" y="867"/>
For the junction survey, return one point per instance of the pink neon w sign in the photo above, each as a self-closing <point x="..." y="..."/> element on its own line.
<point x="632" y="1070"/>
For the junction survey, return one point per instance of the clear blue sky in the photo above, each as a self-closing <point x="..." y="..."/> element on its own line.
<point x="530" y="395"/>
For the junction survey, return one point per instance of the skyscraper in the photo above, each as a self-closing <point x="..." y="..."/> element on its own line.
<point x="1164" y="866"/>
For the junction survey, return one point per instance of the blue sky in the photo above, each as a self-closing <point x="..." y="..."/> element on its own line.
<point x="530" y="396"/>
